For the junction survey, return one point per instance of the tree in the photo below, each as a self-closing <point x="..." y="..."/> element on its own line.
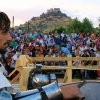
<point x="75" y="24"/>
<point x="99" y="24"/>
<point x="87" y="26"/>
<point x="97" y="30"/>
<point x="59" y="29"/>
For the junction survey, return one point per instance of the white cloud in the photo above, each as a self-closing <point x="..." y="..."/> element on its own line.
<point x="24" y="10"/>
<point x="83" y="10"/>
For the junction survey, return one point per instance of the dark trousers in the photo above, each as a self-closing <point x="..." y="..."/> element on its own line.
<point x="79" y="72"/>
<point x="93" y="74"/>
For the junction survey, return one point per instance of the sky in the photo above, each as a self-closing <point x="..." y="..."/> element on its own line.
<point x="24" y="10"/>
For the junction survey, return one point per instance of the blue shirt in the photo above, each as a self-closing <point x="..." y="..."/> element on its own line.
<point x="69" y="45"/>
<point x="64" y="49"/>
<point x="33" y="35"/>
<point x="4" y="95"/>
<point x="20" y="31"/>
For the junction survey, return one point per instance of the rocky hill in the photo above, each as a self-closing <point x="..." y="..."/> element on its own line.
<point x="48" y="21"/>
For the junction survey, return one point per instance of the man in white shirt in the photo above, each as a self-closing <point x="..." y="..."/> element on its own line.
<point x="58" y="93"/>
<point x="73" y="34"/>
<point x="51" y="42"/>
<point x="62" y="34"/>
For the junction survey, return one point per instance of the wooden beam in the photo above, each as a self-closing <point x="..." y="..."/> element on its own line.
<point x="68" y="67"/>
<point x="64" y="58"/>
<point x="15" y="78"/>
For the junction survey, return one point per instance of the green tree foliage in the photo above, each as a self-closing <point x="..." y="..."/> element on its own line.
<point x="99" y="22"/>
<point x="59" y="29"/>
<point x="85" y="26"/>
<point x="97" y="30"/>
<point x="75" y="24"/>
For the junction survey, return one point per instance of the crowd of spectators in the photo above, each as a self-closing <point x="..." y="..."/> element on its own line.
<point x="37" y="44"/>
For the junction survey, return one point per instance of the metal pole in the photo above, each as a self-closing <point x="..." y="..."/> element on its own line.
<point x="13" y="23"/>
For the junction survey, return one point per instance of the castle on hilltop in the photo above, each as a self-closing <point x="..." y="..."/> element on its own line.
<point x="53" y="10"/>
<point x="47" y="21"/>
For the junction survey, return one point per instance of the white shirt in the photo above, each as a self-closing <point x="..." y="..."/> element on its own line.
<point x="14" y="58"/>
<point x="3" y="70"/>
<point x="82" y="50"/>
<point x="74" y="35"/>
<point x="18" y="53"/>
<point x="62" y="35"/>
<point x="22" y="46"/>
<point x="41" y="41"/>
<point x="88" y="41"/>
<point x="97" y="54"/>
<point x="45" y="37"/>
<point x="5" y="83"/>
<point x="73" y="48"/>
<point x="94" y="48"/>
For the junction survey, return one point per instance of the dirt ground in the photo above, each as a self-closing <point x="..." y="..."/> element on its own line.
<point x="60" y="80"/>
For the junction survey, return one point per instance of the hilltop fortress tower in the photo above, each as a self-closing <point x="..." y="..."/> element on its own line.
<point x="53" y="10"/>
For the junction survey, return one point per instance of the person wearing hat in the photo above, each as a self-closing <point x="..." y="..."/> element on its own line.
<point x="49" y="92"/>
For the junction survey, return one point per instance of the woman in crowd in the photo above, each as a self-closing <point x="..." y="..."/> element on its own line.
<point x="79" y="71"/>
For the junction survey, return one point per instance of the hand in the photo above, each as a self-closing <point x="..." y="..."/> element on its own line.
<point x="70" y="92"/>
